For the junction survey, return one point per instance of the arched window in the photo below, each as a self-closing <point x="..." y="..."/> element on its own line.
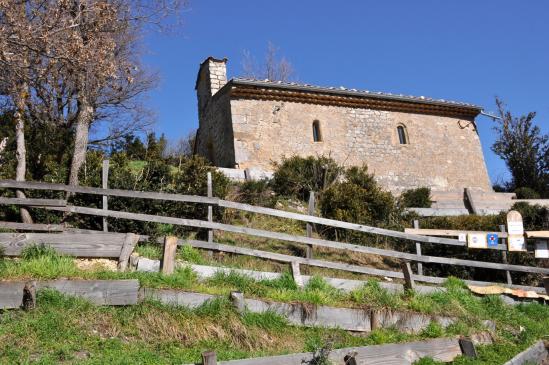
<point x="402" y="134"/>
<point x="317" y="136"/>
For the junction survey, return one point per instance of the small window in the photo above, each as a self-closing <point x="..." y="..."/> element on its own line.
<point x="317" y="136"/>
<point x="402" y="135"/>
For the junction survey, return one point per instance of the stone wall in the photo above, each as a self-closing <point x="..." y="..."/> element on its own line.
<point x="443" y="152"/>
<point x="215" y="135"/>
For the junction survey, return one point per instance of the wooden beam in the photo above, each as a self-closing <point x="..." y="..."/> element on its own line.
<point x="11" y="294"/>
<point x="73" y="244"/>
<point x="33" y="226"/>
<point x="209" y="358"/>
<point x="296" y="274"/>
<point x="537" y="234"/>
<point x="535" y="354"/>
<point x="167" y="265"/>
<point x="408" y="276"/>
<point x="33" y="202"/>
<point x="310" y="211"/>
<point x="418" y="250"/>
<point x="448" y="232"/>
<point x="99" y="292"/>
<point x="34" y="185"/>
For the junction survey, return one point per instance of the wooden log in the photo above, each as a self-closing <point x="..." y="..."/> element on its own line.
<point x="407" y="272"/>
<point x="239" y="304"/>
<point x="33" y="226"/>
<point x="99" y="292"/>
<point x="29" y="296"/>
<point x="536" y="354"/>
<point x="310" y="211"/>
<point x="296" y="274"/>
<point x="126" y="251"/>
<point x="305" y="240"/>
<point x="74" y="244"/>
<point x="209" y="358"/>
<point x="33" y="202"/>
<point x="167" y="265"/>
<point x="11" y="294"/>
<point x="105" y="185"/>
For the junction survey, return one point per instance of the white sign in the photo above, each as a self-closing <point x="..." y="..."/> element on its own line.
<point x="517" y="243"/>
<point x="515" y="228"/>
<point x="476" y="240"/>
<point x="462" y="237"/>
<point x="542" y="250"/>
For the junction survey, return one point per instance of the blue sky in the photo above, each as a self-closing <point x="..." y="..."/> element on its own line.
<point x="459" y="50"/>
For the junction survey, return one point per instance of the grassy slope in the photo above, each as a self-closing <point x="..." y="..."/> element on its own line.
<point x="70" y="329"/>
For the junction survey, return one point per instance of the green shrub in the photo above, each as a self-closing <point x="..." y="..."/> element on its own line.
<point x="416" y="198"/>
<point x="527" y="193"/>
<point x="358" y="199"/>
<point x="256" y="192"/>
<point x="296" y="176"/>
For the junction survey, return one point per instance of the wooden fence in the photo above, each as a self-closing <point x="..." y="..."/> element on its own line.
<point x="308" y="241"/>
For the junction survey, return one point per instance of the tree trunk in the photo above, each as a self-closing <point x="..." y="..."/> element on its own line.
<point x="83" y="120"/>
<point x="21" y="153"/>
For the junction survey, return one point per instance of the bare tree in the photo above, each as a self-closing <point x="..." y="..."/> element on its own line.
<point x="273" y="68"/>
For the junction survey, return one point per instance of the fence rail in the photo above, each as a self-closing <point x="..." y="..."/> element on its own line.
<point x="411" y="235"/>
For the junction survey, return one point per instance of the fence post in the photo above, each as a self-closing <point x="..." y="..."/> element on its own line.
<point x="408" y="279"/>
<point x="296" y="274"/>
<point x="210" y="211"/>
<point x="310" y="211"/>
<point x="105" y="185"/>
<point x="504" y="256"/>
<point x="418" y="250"/>
<point x="167" y="264"/>
<point x="237" y="299"/>
<point x="29" y="296"/>
<point x="209" y="358"/>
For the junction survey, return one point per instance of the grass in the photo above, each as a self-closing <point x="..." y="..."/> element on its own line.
<point x="68" y="329"/>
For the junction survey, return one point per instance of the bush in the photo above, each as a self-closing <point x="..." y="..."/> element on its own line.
<point x="527" y="193"/>
<point x="416" y="198"/>
<point x="255" y="192"/>
<point x="358" y="199"/>
<point x="296" y="176"/>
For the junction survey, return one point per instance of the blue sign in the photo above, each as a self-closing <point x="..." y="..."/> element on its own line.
<point x="492" y="239"/>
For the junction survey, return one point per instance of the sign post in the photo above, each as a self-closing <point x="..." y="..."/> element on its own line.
<point x="515" y="230"/>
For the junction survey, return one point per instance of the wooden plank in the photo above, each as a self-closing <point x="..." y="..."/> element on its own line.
<point x="127" y="248"/>
<point x="441" y="349"/>
<point x="11" y="294"/>
<point x="304" y="240"/>
<point x="335" y="265"/>
<point x="167" y="265"/>
<point x="337" y="224"/>
<point x="74" y="244"/>
<point x="99" y="292"/>
<point x="310" y="211"/>
<point x="32" y="226"/>
<point x="105" y="185"/>
<point x="33" y="202"/>
<point x="439" y="212"/>
<point x="537" y="234"/>
<point x="536" y="354"/>
<point x="33" y="185"/>
<point x="448" y="232"/>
